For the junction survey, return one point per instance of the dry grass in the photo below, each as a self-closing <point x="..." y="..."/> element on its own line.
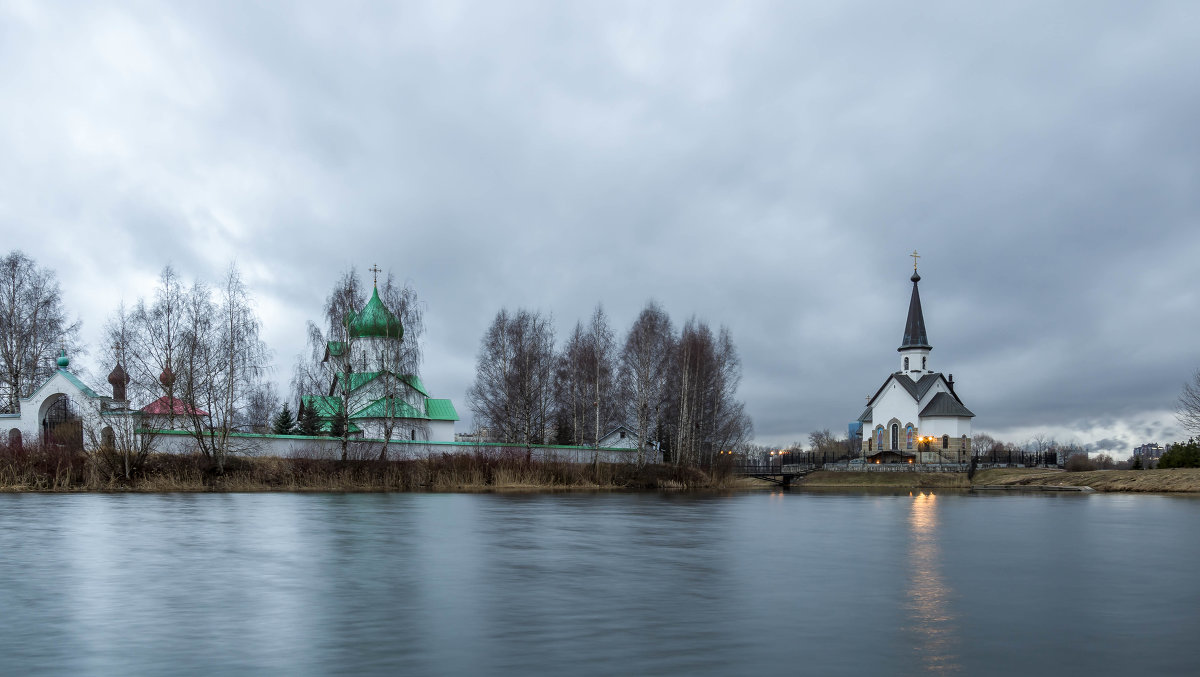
<point x="48" y="469"/>
<point x="1173" y="480"/>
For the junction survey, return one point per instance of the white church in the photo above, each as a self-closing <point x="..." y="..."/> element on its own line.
<point x="916" y="416"/>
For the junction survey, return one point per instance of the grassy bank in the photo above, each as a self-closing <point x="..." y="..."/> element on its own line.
<point x="54" y="470"/>
<point x="1158" y="481"/>
<point x="1174" y="480"/>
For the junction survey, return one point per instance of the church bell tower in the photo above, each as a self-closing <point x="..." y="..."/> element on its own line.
<point x="914" y="348"/>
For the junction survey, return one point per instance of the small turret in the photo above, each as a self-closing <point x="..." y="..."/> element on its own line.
<point x="167" y="377"/>
<point x="63" y="361"/>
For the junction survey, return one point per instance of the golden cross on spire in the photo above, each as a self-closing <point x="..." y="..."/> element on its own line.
<point x="915" y="256"/>
<point x="375" y="269"/>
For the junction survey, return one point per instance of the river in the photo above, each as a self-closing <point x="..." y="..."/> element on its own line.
<point x="823" y="583"/>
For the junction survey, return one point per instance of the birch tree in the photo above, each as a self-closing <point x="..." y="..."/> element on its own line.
<point x="644" y="369"/>
<point x="223" y="363"/>
<point x="512" y="395"/>
<point x="707" y="417"/>
<point x="33" y="326"/>
<point x="402" y="358"/>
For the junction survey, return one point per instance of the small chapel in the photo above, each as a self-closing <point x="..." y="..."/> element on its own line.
<point x="916" y="416"/>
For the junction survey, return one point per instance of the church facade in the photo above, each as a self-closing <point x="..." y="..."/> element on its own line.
<point x="916" y="416"/>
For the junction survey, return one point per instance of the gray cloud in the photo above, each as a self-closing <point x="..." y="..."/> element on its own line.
<point x="766" y="166"/>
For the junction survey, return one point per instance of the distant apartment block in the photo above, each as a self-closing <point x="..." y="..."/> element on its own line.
<point x="1152" y="451"/>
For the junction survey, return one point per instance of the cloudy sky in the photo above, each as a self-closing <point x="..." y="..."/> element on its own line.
<point x="766" y="166"/>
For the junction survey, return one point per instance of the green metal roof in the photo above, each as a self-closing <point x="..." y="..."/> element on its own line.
<point x="375" y="321"/>
<point x="326" y="406"/>
<point x="385" y="407"/>
<point x="357" y="379"/>
<point x="440" y="410"/>
<point x="415" y="382"/>
<point x="78" y="384"/>
<point x="360" y="379"/>
<point x="336" y="348"/>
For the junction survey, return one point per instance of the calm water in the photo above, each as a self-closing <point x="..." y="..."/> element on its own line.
<point x="599" y="584"/>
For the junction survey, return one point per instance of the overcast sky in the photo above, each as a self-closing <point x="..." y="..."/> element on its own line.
<point x="766" y="166"/>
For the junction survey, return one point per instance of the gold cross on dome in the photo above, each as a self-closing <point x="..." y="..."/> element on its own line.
<point x="915" y="256"/>
<point x="375" y="269"/>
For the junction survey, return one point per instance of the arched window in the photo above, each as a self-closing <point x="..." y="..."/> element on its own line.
<point x="14" y="438"/>
<point x="895" y="435"/>
<point x="107" y="439"/>
<point x="906" y="364"/>
<point x="923" y="359"/>
<point x="869" y="441"/>
<point x="908" y="437"/>
<point x="414" y="433"/>
<point x="945" y="441"/>
<point x="964" y="443"/>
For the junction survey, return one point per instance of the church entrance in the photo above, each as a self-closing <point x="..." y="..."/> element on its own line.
<point x="61" y="425"/>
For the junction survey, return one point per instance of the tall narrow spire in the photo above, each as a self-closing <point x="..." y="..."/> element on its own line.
<point x="914" y="328"/>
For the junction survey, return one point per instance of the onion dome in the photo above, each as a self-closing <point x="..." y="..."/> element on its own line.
<point x="118" y="376"/>
<point x="375" y="321"/>
<point x="63" y="361"/>
<point x="167" y="377"/>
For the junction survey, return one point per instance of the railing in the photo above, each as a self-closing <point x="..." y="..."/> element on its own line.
<point x="772" y="468"/>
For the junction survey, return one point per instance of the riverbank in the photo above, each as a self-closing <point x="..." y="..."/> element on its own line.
<point x="36" y="470"/>
<point x="1153" y="481"/>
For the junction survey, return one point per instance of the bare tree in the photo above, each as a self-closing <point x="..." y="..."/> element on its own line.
<point x="33" y="325"/>
<point x="1187" y="411"/>
<point x="705" y="374"/>
<point x="645" y="364"/>
<point x="981" y="443"/>
<point x="570" y="389"/>
<point x="513" y="390"/>
<point x="115" y="433"/>
<point x="401" y="358"/>
<point x="150" y="337"/>
<point x="223" y="362"/>
<point x="601" y="372"/>
<point x="261" y="406"/>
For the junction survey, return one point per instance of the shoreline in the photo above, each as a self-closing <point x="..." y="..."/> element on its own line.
<point x="1175" y="480"/>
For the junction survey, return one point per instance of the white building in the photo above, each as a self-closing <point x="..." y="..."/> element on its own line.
<point x="916" y="416"/>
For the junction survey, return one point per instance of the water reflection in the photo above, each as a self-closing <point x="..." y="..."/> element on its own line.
<point x="931" y="621"/>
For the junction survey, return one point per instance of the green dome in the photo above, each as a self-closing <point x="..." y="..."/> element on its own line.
<point x="375" y="321"/>
<point x="63" y="360"/>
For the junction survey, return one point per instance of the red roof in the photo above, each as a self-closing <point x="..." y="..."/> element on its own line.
<point x="167" y="405"/>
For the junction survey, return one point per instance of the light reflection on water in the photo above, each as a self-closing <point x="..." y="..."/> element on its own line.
<point x="597" y="584"/>
<point x="929" y="598"/>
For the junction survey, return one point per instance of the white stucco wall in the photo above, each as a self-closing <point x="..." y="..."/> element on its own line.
<point x="294" y="445"/>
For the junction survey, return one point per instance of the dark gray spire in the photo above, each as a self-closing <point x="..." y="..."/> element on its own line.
<point x="914" y="328"/>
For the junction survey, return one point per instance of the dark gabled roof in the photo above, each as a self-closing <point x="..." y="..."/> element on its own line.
<point x="914" y="327"/>
<point x="865" y="416"/>
<point x="945" y="404"/>
<point x="915" y="388"/>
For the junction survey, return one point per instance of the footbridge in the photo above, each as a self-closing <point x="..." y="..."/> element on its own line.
<point x="781" y="474"/>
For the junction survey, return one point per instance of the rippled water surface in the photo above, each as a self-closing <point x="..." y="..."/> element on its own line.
<point x="599" y="584"/>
